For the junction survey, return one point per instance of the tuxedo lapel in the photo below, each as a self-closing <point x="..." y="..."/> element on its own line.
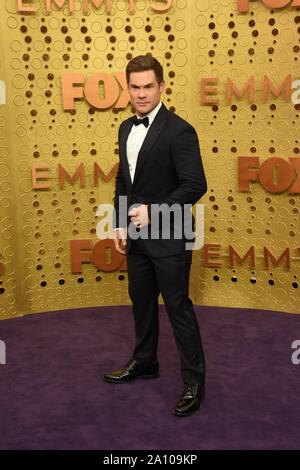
<point x="150" y="139"/>
<point x="123" y="149"/>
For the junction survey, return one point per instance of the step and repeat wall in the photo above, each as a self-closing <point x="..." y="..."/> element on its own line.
<point x="232" y="69"/>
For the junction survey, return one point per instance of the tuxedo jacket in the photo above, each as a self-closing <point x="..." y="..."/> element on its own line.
<point x="169" y="171"/>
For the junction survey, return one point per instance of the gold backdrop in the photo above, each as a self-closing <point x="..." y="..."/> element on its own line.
<point x="202" y="44"/>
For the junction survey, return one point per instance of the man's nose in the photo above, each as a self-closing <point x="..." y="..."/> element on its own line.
<point x="142" y="93"/>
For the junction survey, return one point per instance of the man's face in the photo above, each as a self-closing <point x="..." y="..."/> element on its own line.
<point x="144" y="91"/>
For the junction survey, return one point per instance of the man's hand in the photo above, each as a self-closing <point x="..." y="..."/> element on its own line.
<point x="139" y="216"/>
<point x="120" y="239"/>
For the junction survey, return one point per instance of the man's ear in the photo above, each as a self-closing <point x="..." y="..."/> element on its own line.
<point x="162" y="86"/>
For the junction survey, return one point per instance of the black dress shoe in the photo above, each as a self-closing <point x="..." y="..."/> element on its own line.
<point x="190" y="401"/>
<point x="133" y="370"/>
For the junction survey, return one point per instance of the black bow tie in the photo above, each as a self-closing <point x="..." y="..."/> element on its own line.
<point x="144" y="121"/>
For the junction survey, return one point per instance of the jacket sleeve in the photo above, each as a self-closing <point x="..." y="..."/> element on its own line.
<point x="120" y="208"/>
<point x="188" y="165"/>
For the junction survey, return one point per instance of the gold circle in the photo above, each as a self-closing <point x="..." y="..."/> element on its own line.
<point x="181" y="44"/>
<point x="20" y="131"/>
<point x="21" y="119"/>
<point x="182" y="80"/>
<point x="180" y="25"/>
<point x="98" y="63"/>
<point x="16" y="46"/>
<point x="74" y="23"/>
<point x="181" y="4"/>
<point x="158" y="22"/>
<point x="18" y="81"/>
<point x="12" y="22"/>
<point x="120" y="63"/>
<point x="16" y="64"/>
<point x="203" y="5"/>
<point x="56" y="63"/>
<point x="142" y="45"/>
<point x="76" y="63"/>
<point x="36" y="64"/>
<point x="180" y="59"/>
<point x="78" y="46"/>
<point x="287" y="36"/>
<point x="53" y="23"/>
<point x="38" y="46"/>
<point x="122" y="45"/>
<point x="161" y="44"/>
<point x="138" y="23"/>
<point x="100" y="44"/>
<point x="201" y="20"/>
<point x="58" y="46"/>
<point x="221" y="19"/>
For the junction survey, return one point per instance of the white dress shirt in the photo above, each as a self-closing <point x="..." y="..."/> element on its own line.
<point x="136" y="138"/>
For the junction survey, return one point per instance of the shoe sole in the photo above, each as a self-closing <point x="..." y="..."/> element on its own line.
<point x="183" y="415"/>
<point x="113" y="381"/>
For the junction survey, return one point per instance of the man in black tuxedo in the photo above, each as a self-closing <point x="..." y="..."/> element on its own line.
<point x="160" y="168"/>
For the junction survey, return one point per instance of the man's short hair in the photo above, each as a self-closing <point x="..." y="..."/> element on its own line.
<point x="142" y="63"/>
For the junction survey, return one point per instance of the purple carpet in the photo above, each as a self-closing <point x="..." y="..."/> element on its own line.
<point x="53" y="395"/>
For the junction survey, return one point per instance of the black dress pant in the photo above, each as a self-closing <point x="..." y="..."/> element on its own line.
<point x="169" y="275"/>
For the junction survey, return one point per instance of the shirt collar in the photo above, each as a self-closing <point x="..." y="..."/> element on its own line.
<point x="152" y="113"/>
